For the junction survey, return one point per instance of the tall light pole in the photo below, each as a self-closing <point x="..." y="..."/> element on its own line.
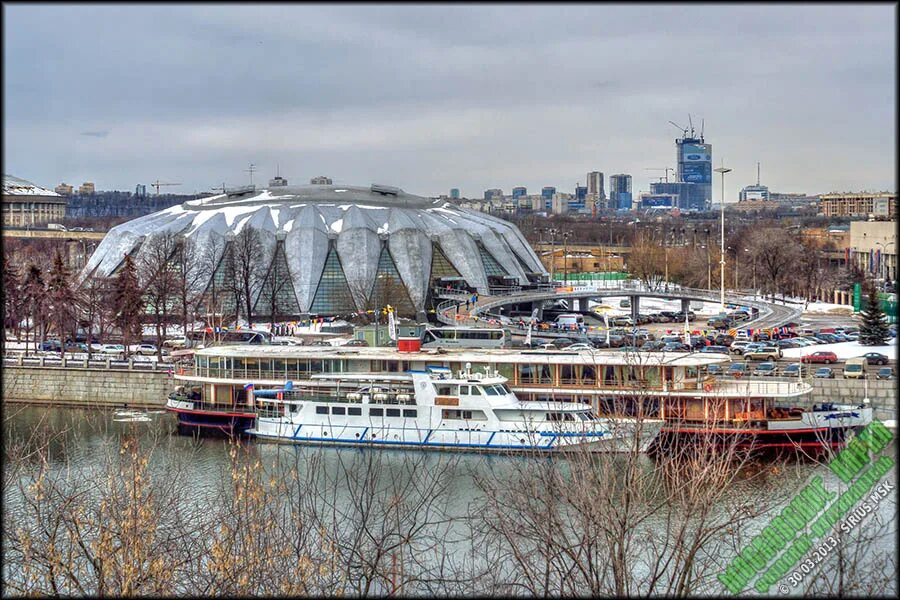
<point x="722" y="170"/>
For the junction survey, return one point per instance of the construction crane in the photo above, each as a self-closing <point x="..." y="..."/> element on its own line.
<point x="684" y="130"/>
<point x="158" y="184"/>
<point x="666" y="169"/>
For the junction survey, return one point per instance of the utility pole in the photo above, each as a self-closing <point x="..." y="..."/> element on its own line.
<point x="251" y="170"/>
<point x="722" y="170"/>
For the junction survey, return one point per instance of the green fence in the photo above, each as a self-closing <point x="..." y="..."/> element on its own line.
<point x="607" y="276"/>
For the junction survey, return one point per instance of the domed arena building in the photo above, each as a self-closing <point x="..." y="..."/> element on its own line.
<point x="331" y="250"/>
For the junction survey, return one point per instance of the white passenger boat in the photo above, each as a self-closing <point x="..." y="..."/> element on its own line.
<point x="433" y="409"/>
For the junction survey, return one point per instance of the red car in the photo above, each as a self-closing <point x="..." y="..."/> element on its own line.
<point x="820" y="357"/>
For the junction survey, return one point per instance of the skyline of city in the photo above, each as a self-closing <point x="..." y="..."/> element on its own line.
<point x="437" y="118"/>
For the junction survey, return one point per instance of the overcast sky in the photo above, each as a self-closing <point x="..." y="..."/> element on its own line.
<point x="438" y="96"/>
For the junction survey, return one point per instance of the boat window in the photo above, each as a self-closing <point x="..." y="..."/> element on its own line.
<point x="354" y="410"/>
<point x="321" y="410"/>
<point x="463" y="390"/>
<point x="556" y="416"/>
<point x="505" y="389"/>
<point x="376" y="412"/>
<point x="476" y="415"/>
<point x="337" y="410"/>
<point x="491" y="390"/>
<point x="393" y="412"/>
<point x="410" y="413"/>
<point x="446" y="390"/>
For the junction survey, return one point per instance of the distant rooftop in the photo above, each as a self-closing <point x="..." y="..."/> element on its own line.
<point x="14" y="186"/>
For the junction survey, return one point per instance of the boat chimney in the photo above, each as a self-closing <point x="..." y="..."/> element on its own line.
<point x="409" y="344"/>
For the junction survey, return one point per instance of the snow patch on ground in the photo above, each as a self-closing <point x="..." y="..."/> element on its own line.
<point x="843" y="350"/>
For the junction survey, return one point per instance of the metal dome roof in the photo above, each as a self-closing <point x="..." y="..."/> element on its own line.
<point x="312" y="221"/>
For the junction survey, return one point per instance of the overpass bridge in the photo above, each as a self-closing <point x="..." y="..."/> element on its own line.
<point x="449" y="312"/>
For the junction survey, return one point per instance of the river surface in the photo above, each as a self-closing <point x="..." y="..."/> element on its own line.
<point x="79" y="441"/>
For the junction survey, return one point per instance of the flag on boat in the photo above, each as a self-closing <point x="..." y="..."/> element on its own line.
<point x="392" y="324"/>
<point x="687" y="331"/>
<point x="528" y="336"/>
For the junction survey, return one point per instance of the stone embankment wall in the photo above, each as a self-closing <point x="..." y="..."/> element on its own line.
<point x="91" y="387"/>
<point x="100" y="387"/>
<point x="882" y="394"/>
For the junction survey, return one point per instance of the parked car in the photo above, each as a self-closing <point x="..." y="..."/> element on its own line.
<point x="580" y="346"/>
<point x="763" y="353"/>
<point x="723" y="339"/>
<point x="820" y="357"/>
<point x="715" y="349"/>
<point x="787" y="343"/>
<point x="855" y="368"/>
<point x="51" y="346"/>
<point x="676" y="347"/>
<point x="356" y="343"/>
<point x="720" y="322"/>
<point x="738" y="346"/>
<point x="874" y="358"/>
<point x="824" y="373"/>
<point x="146" y="349"/>
<point x="653" y="346"/>
<point x="736" y="369"/>
<point x="766" y="369"/>
<point x="76" y="347"/>
<point x="621" y="322"/>
<point x="885" y="373"/>
<point x="116" y="349"/>
<point x="714" y="369"/>
<point x="828" y="338"/>
<point x="792" y="370"/>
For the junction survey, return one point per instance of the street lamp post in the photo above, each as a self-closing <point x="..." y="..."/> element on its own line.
<point x="882" y="262"/>
<point x="722" y="170"/>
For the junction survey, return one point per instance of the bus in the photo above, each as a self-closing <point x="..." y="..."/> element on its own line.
<point x="464" y="337"/>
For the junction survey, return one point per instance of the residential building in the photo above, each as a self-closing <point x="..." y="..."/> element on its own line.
<point x="859" y="205"/>
<point x="86" y="188"/>
<point x="579" y="201"/>
<point x="278" y="181"/>
<point x="27" y="204"/>
<point x="559" y="204"/>
<point x="140" y="190"/>
<point x="64" y="189"/>
<point x="518" y="192"/>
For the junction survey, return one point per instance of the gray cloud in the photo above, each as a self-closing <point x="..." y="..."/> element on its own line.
<point x="439" y="96"/>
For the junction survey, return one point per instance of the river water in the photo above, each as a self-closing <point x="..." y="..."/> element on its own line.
<point x="80" y="441"/>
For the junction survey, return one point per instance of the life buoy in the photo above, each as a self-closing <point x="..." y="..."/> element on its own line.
<point x="707" y="387"/>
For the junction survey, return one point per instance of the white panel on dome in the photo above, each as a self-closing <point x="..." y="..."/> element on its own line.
<point x="411" y="250"/>
<point x="460" y="249"/>
<point x="359" y="249"/>
<point x="306" y="247"/>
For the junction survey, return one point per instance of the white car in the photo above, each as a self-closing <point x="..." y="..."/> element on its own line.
<point x="116" y="349"/>
<point x="145" y="349"/>
<point x="579" y="346"/>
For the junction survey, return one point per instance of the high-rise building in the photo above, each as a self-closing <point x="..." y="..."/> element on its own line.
<point x="454" y="193"/>
<point x="547" y="194"/>
<point x="694" y="158"/>
<point x="86" y="188"/>
<point x="493" y="193"/>
<point x="140" y="190"/>
<point x="620" y="191"/>
<point x="518" y="192"/>
<point x="64" y="189"/>
<point x="595" y="185"/>
<point x="754" y="192"/>
<point x="579" y="200"/>
<point x="689" y="195"/>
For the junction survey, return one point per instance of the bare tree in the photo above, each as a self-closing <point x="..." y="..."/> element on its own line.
<point x="158" y="277"/>
<point x="61" y="301"/>
<point x="774" y="251"/>
<point x="247" y="251"/>
<point x="127" y="303"/>
<point x="188" y="272"/>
